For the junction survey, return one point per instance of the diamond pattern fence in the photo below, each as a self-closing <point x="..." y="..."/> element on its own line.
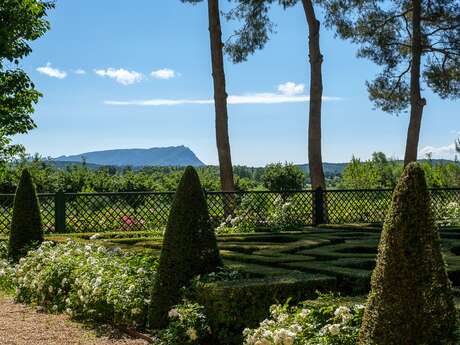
<point x="441" y="198"/>
<point x="98" y="212"/>
<point x="258" y="207"/>
<point x="117" y="211"/>
<point x="356" y="206"/>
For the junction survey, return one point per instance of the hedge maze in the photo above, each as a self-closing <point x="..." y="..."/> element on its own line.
<point x="275" y="267"/>
<point x="343" y="256"/>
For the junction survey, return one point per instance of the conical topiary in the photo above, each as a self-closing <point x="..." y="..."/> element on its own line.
<point x="26" y="225"/>
<point x="410" y="300"/>
<point x="189" y="247"/>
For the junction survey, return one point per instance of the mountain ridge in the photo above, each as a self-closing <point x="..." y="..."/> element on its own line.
<point x="137" y="157"/>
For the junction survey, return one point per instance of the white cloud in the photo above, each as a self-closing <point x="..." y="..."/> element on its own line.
<point x="291" y="89"/>
<point x="257" y="98"/>
<point x="446" y="152"/>
<point x="79" y="71"/>
<point x="164" y="73"/>
<point x="51" y="72"/>
<point x="121" y="75"/>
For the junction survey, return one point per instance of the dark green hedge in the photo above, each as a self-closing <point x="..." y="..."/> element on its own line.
<point x="26" y="225"/>
<point x="189" y="247"/>
<point x="233" y="306"/>
<point x="411" y="300"/>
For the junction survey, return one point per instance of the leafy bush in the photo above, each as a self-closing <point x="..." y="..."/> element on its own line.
<point x="282" y="215"/>
<point x="279" y="177"/>
<point x="319" y="323"/>
<point x="26" y="224"/>
<point x="189" y="247"/>
<point x="410" y="274"/>
<point x="86" y="281"/>
<point x="187" y="325"/>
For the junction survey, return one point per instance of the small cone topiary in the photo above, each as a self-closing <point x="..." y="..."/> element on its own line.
<point x="189" y="247"/>
<point x="26" y="225"/>
<point x="411" y="300"/>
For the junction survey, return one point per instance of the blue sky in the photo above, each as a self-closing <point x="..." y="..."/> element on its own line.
<point x="119" y="75"/>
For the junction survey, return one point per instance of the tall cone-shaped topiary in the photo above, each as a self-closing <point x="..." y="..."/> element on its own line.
<point x="411" y="300"/>
<point x="26" y="225"/>
<point x="189" y="247"/>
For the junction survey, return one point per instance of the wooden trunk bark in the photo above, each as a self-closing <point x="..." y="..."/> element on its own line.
<point x="316" y="93"/>
<point x="220" y="98"/>
<point x="417" y="103"/>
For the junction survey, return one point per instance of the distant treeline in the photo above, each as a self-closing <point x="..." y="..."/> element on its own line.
<point x="378" y="172"/>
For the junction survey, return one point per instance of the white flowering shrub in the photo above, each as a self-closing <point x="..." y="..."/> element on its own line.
<point x="239" y="223"/>
<point x="187" y="325"/>
<point x="6" y="270"/>
<point x="450" y="215"/>
<point x="308" y="324"/>
<point x="283" y="214"/>
<point x="87" y="281"/>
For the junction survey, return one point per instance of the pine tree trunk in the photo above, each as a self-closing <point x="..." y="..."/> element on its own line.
<point x="316" y="93"/>
<point x="416" y="101"/>
<point x="220" y="98"/>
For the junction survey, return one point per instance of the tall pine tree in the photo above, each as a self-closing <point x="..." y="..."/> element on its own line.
<point x="417" y="44"/>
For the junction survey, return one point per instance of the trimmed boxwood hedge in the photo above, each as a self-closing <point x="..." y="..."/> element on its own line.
<point x="411" y="300"/>
<point x="189" y="247"/>
<point x="26" y="224"/>
<point x="352" y="281"/>
<point x="233" y="306"/>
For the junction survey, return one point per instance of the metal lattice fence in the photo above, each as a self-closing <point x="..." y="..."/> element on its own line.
<point x="117" y="211"/>
<point x="356" y="206"/>
<point x="97" y="212"/>
<point x="258" y="206"/>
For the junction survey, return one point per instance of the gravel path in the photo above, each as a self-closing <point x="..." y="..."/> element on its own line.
<point x="22" y="325"/>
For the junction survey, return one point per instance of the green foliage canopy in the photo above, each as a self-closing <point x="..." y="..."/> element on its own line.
<point x="383" y="29"/>
<point x="279" y="177"/>
<point x="21" y="21"/>
<point x="257" y="27"/>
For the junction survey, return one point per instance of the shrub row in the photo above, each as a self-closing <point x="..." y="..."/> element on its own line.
<point x="232" y="306"/>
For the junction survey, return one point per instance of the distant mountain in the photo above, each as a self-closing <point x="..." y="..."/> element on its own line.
<point x="158" y="156"/>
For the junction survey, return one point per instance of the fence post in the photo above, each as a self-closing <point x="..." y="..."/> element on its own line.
<point x="59" y="212"/>
<point x="318" y="206"/>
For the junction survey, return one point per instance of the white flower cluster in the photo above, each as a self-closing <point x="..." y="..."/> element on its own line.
<point x="241" y="223"/>
<point x="307" y="326"/>
<point x="283" y="214"/>
<point x="6" y="270"/>
<point x="87" y="281"/>
<point x="340" y="323"/>
<point x="280" y="329"/>
<point x="188" y="325"/>
<point x="450" y="215"/>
